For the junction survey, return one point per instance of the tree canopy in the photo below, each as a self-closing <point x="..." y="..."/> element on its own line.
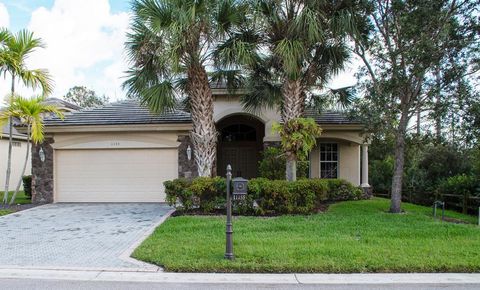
<point x="84" y="97"/>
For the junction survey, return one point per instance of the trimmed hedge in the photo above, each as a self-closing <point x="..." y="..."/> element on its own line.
<point x="265" y="197"/>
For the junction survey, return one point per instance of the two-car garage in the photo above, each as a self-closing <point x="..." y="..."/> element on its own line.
<point x="120" y="152"/>
<point x="113" y="175"/>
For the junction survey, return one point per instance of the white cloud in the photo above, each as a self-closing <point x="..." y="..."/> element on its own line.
<point x="4" y="16"/>
<point x="84" y="45"/>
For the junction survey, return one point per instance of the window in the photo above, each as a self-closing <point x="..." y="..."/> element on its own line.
<point x="16" y="144"/>
<point x="238" y="132"/>
<point x="328" y="160"/>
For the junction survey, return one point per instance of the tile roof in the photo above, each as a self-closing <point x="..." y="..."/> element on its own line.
<point x="15" y="133"/>
<point x="131" y="112"/>
<point x="330" y="117"/>
<point x="120" y="113"/>
<point x="62" y="104"/>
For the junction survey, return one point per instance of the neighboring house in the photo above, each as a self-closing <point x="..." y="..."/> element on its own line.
<point x="19" y="146"/>
<point x="123" y="153"/>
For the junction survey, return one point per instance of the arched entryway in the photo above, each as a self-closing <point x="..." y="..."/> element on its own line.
<point x="240" y="143"/>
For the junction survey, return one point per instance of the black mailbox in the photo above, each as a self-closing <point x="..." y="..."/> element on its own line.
<point x="239" y="188"/>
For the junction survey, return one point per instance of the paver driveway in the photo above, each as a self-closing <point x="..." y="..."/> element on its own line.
<point x="76" y="235"/>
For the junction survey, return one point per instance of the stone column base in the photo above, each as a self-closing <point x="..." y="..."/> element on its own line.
<point x="367" y="191"/>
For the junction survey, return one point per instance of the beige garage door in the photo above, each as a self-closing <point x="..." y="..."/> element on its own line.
<point x="119" y="175"/>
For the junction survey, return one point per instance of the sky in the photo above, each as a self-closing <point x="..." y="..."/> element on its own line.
<point x="84" y="43"/>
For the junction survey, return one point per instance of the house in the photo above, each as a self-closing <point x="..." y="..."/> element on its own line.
<point x="123" y="153"/>
<point x="19" y="145"/>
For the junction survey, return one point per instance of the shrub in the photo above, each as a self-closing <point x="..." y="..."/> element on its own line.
<point x="381" y="175"/>
<point x="460" y="185"/>
<point x="265" y="197"/>
<point x="340" y="190"/>
<point x="458" y="189"/>
<point x="204" y="193"/>
<point x="208" y="193"/>
<point x="273" y="164"/>
<point x="27" y="185"/>
<point x="176" y="191"/>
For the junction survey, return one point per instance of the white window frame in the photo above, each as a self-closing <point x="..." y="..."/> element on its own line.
<point x="321" y="161"/>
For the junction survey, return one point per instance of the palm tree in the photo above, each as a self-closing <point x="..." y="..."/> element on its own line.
<point x="169" y="47"/>
<point x="30" y="112"/>
<point x="14" y="51"/>
<point x="291" y="50"/>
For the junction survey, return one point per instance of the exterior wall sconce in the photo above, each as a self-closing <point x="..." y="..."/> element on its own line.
<point x="41" y="154"/>
<point x="189" y="153"/>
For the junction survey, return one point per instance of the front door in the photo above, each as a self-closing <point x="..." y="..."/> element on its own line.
<point x="243" y="159"/>
<point x="240" y="144"/>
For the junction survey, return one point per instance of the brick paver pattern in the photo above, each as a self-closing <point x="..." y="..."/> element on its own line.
<point x="75" y="235"/>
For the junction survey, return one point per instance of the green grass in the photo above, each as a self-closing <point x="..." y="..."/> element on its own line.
<point x="356" y="236"/>
<point x="5" y="211"/>
<point x="21" y="198"/>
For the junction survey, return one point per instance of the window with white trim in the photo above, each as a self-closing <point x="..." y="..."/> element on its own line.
<point x="328" y="160"/>
<point x="16" y="144"/>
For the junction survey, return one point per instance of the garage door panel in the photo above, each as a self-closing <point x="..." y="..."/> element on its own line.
<point x="121" y="175"/>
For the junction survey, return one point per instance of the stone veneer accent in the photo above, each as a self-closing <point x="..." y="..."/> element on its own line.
<point x="42" y="173"/>
<point x="186" y="168"/>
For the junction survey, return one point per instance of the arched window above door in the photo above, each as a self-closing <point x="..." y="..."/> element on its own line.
<point x="238" y="133"/>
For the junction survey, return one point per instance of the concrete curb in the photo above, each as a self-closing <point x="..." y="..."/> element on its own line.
<point x="313" y="279"/>
<point x="126" y="256"/>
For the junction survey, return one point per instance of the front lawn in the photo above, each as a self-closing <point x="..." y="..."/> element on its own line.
<point x="354" y="236"/>
<point x="21" y="198"/>
<point x="5" y="212"/>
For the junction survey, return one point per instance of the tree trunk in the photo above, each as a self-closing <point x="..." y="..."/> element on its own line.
<point x="438" y="107"/>
<point x="419" y="121"/>
<point x="291" y="170"/>
<point x="396" y="197"/>
<point x="10" y="140"/>
<point x="204" y="135"/>
<point x="12" y="200"/>
<point x="293" y="106"/>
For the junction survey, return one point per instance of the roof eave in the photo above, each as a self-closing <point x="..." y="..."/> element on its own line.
<point x="119" y="128"/>
<point x="342" y="127"/>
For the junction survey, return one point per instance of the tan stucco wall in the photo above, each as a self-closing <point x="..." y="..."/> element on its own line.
<point x="230" y="105"/>
<point x="116" y="140"/>
<point x="18" y="158"/>
<point x="348" y="157"/>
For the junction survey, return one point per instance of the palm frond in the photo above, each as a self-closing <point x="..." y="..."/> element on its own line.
<point x="30" y="111"/>
<point x="37" y="78"/>
<point x="233" y="79"/>
<point x="339" y="99"/>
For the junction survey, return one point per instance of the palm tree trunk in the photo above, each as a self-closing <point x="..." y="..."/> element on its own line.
<point x="9" y="157"/>
<point x="293" y="105"/>
<point x="12" y="200"/>
<point x="396" y="198"/>
<point x="204" y="135"/>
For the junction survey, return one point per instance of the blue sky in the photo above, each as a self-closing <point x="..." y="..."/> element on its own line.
<point x="84" y="43"/>
<point x="20" y="10"/>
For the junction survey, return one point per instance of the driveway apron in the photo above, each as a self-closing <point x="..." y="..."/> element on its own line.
<point x="84" y="236"/>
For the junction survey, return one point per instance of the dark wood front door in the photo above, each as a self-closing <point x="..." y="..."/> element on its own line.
<point x="240" y="144"/>
<point x="243" y="159"/>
